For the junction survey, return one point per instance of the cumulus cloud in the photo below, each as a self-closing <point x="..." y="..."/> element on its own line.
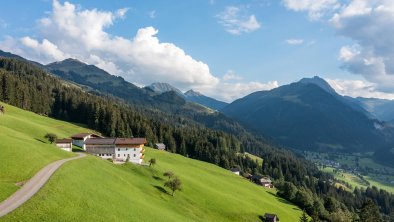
<point x="358" y="88"/>
<point x="315" y="8"/>
<point x="294" y="41"/>
<point x="69" y="31"/>
<point x="231" y="75"/>
<point x="236" y="20"/>
<point x="370" y="24"/>
<point x="228" y="92"/>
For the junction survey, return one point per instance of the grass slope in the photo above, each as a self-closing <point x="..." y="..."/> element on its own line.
<point x="92" y="189"/>
<point x="97" y="190"/>
<point x="23" y="148"/>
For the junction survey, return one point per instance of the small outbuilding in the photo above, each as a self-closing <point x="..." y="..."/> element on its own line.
<point x="271" y="217"/>
<point x="236" y="171"/>
<point x="160" y="146"/>
<point x="65" y="144"/>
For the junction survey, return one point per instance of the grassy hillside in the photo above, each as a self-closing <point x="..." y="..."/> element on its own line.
<point x="23" y="148"/>
<point x="97" y="190"/>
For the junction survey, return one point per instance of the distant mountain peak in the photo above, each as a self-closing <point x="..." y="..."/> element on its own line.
<point x="72" y="60"/>
<point x="192" y="93"/>
<point x="161" y="87"/>
<point x="319" y="82"/>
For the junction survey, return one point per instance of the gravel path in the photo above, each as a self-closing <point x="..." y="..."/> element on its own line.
<point x="32" y="186"/>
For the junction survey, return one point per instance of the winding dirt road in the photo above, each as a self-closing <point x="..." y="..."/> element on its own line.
<point x="32" y="186"/>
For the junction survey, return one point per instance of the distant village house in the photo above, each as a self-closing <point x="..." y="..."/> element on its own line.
<point x="160" y="146"/>
<point x="264" y="181"/>
<point x="118" y="149"/>
<point x="2" y="109"/>
<point x="236" y="171"/>
<point x="65" y="144"/>
<point x="271" y="217"/>
<point x="80" y="138"/>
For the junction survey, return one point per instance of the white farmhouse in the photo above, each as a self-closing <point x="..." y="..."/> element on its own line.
<point x="118" y="149"/>
<point x="64" y="144"/>
<point x="130" y="148"/>
<point x="80" y="138"/>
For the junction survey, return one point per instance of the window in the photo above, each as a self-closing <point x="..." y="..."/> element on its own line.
<point x="126" y="149"/>
<point x="124" y="154"/>
<point x="118" y="155"/>
<point x="118" y="149"/>
<point x="134" y="155"/>
<point x="135" y="149"/>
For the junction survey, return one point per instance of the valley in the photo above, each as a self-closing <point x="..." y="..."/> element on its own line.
<point x="358" y="170"/>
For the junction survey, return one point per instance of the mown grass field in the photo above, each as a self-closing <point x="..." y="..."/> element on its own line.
<point x="23" y="148"/>
<point x="92" y="189"/>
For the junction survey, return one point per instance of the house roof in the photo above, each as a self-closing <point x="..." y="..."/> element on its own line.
<point x="130" y="141"/>
<point x="100" y="141"/>
<point x="262" y="178"/>
<point x="83" y="135"/>
<point x="265" y="180"/>
<point x="65" y="140"/>
<point x="160" y="145"/>
<point x="267" y="215"/>
<point x="235" y="170"/>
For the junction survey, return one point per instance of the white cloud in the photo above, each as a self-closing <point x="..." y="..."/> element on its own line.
<point x="228" y="92"/>
<point x="152" y="14"/>
<point x="347" y="53"/>
<point x="68" y="31"/>
<point x="370" y="24"/>
<point x="231" y="75"/>
<point x="315" y="8"/>
<point x="358" y="88"/>
<point x="294" y="41"/>
<point x="122" y="12"/>
<point x="235" y="20"/>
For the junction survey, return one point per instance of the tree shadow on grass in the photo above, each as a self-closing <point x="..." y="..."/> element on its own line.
<point x="261" y="218"/>
<point x="157" y="178"/>
<point x="161" y="189"/>
<point x="40" y="140"/>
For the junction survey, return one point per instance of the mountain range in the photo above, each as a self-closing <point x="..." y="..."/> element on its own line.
<point x="306" y="115"/>
<point x="190" y="95"/>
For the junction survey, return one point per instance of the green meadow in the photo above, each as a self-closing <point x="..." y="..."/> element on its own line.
<point x="24" y="150"/>
<point x="92" y="189"/>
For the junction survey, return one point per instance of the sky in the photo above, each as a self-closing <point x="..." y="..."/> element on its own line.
<point x="225" y="49"/>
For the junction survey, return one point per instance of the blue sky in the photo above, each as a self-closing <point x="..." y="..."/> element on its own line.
<point x="226" y="49"/>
